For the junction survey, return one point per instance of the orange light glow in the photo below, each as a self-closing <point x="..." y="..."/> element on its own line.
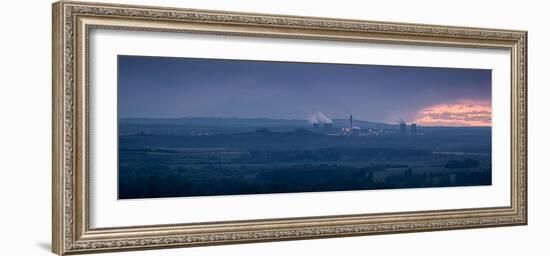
<point x="464" y="113"/>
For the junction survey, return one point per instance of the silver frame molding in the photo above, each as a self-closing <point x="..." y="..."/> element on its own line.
<point x="72" y="22"/>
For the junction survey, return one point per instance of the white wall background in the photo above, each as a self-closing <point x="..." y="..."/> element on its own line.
<point x="25" y="149"/>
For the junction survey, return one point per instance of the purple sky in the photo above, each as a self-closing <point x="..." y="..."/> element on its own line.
<point x="160" y="87"/>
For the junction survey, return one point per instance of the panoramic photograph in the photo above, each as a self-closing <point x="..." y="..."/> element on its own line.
<point x="214" y="127"/>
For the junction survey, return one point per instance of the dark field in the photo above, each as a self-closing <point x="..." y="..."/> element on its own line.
<point x="229" y="156"/>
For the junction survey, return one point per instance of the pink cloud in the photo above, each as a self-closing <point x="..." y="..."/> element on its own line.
<point x="463" y="113"/>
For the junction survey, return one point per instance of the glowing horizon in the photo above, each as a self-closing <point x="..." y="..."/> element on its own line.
<point x="462" y="113"/>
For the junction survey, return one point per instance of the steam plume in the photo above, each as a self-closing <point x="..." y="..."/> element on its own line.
<point x="319" y="118"/>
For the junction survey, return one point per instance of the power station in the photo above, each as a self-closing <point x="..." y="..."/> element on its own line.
<point x="321" y="123"/>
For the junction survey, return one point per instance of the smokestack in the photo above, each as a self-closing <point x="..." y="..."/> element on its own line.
<point x="350" y="123"/>
<point x="402" y="126"/>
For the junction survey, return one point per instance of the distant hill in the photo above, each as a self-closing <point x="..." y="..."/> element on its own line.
<point x="239" y="122"/>
<point x="214" y="122"/>
<point x="217" y="125"/>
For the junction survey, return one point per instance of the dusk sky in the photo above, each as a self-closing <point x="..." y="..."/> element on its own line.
<point x="161" y="87"/>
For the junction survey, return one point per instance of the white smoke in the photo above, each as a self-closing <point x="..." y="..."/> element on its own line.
<point x="319" y="118"/>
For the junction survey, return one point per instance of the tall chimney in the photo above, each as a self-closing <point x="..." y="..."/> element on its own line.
<point x="350" y="123"/>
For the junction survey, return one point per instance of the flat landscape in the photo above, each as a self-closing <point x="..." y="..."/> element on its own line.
<point x="230" y="156"/>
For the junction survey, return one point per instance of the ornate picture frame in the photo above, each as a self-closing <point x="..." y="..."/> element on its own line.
<point x="72" y="23"/>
